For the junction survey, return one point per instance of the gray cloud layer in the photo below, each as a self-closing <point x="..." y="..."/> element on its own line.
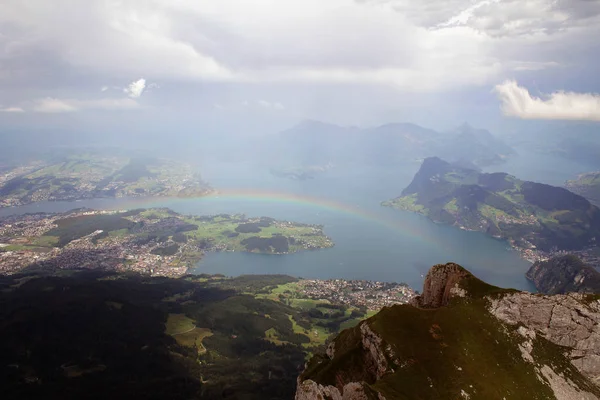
<point x="55" y="55"/>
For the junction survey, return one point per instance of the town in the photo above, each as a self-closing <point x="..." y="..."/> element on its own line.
<point x="153" y="242"/>
<point x="371" y="295"/>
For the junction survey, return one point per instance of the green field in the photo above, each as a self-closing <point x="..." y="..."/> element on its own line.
<point x="178" y="324"/>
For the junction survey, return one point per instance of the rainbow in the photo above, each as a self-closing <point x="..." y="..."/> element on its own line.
<point x="257" y="195"/>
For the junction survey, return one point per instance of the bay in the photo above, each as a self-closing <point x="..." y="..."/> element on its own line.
<point x="371" y="242"/>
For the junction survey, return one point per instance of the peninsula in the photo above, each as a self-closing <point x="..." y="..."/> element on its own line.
<point x="538" y="220"/>
<point x="152" y="241"/>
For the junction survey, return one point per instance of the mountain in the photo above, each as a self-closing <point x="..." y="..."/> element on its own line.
<point x="318" y="143"/>
<point x="464" y="339"/>
<point x="587" y="185"/>
<point x="530" y="215"/>
<point x="573" y="140"/>
<point x="564" y="274"/>
<point x="477" y="145"/>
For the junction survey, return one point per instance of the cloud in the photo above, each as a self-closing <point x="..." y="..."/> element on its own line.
<point x="518" y="102"/>
<point x="135" y="88"/>
<point x="270" y="105"/>
<point x="104" y="88"/>
<point x="424" y="46"/>
<point x="54" y="105"/>
<point x="12" y="110"/>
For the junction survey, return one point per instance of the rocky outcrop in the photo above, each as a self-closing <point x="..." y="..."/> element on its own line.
<point x="564" y="274"/>
<point x="441" y="283"/>
<point x="498" y="344"/>
<point x="310" y="390"/>
<point x="567" y="320"/>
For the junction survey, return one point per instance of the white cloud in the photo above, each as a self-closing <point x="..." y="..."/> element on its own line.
<point x="135" y="88"/>
<point x="104" y="88"/>
<point x="429" y="45"/>
<point x="12" y="110"/>
<point x="518" y="102"/>
<point x="54" y="105"/>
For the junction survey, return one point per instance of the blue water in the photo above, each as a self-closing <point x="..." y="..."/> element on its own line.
<point x="390" y="245"/>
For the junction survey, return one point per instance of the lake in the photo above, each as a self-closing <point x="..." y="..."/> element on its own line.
<point x="371" y="242"/>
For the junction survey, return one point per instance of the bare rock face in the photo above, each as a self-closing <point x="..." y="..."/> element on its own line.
<point x="564" y="274"/>
<point x="371" y="352"/>
<point x="566" y="320"/>
<point x="441" y="284"/>
<point x="310" y="390"/>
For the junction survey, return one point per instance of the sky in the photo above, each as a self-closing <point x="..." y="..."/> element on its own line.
<point x="253" y="67"/>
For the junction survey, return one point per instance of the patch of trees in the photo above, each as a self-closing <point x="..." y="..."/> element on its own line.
<point x="169" y="250"/>
<point x="552" y="198"/>
<point x="134" y="171"/>
<point x="72" y="228"/>
<point x="496" y="181"/>
<point x="180" y="238"/>
<point x="256" y="283"/>
<point x="342" y="307"/>
<point x="250" y="227"/>
<point x="275" y="244"/>
<point x="99" y="236"/>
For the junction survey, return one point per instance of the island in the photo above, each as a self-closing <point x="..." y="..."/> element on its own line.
<point x="97" y="175"/>
<point x="538" y="220"/>
<point x="586" y="185"/>
<point x="150" y="241"/>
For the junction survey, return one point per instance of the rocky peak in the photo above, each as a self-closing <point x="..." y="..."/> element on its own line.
<point x="499" y="344"/>
<point x="441" y="283"/>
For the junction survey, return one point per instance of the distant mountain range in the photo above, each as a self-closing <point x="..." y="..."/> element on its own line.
<point x="578" y="141"/>
<point x="529" y="214"/>
<point x="318" y="143"/>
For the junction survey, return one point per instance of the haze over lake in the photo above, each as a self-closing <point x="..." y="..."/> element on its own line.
<point x="371" y="242"/>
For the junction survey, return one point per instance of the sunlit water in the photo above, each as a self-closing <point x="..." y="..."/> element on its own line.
<point x="371" y="241"/>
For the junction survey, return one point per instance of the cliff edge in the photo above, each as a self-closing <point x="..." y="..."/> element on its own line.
<point x="465" y="339"/>
<point x="564" y="274"/>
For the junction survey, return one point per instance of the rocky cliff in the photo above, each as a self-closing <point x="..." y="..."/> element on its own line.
<point x="564" y="274"/>
<point x="464" y="339"/>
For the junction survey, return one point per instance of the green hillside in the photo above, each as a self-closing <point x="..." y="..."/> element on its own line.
<point x="459" y="350"/>
<point x="530" y="214"/>
<point x="587" y="185"/>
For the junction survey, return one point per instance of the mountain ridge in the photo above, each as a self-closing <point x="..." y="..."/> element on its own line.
<point x="316" y="142"/>
<point x="536" y="218"/>
<point x="464" y="339"/>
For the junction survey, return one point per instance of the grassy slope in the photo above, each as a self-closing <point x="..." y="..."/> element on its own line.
<point x="443" y="351"/>
<point x="439" y="201"/>
<point x="588" y="186"/>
